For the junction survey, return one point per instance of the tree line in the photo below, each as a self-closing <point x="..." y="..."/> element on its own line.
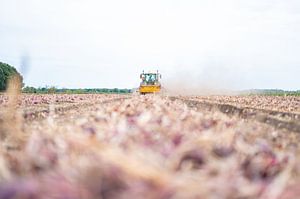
<point x="271" y="92"/>
<point x="52" y="90"/>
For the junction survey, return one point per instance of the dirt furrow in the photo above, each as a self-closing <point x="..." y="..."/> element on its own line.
<point x="278" y="119"/>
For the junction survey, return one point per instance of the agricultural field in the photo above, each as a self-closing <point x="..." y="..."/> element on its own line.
<point x="154" y="146"/>
<point x="275" y="103"/>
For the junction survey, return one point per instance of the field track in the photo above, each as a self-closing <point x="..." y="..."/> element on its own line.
<point x="278" y="119"/>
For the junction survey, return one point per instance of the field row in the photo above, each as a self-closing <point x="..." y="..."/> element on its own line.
<point x="48" y="99"/>
<point x="275" y="103"/>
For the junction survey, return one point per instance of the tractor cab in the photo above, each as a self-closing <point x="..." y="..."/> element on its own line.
<point x="150" y="79"/>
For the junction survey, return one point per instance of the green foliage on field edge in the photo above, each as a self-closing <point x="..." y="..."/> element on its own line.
<point x="52" y="90"/>
<point x="6" y="72"/>
<point x="271" y="92"/>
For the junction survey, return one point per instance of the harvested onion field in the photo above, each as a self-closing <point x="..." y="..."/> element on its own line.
<point x="153" y="147"/>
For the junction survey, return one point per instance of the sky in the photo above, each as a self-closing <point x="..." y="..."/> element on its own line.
<point x="224" y="44"/>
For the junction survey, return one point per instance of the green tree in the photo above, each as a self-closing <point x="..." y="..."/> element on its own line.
<point x="6" y="72"/>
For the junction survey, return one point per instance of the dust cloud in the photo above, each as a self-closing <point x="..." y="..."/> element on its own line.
<point x="212" y="80"/>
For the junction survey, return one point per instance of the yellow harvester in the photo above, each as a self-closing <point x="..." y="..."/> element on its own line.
<point x="150" y="83"/>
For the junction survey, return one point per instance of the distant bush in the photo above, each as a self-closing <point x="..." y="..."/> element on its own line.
<point x="29" y="89"/>
<point x="6" y="72"/>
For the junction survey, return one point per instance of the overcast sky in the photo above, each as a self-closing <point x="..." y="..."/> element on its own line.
<point x="235" y="44"/>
